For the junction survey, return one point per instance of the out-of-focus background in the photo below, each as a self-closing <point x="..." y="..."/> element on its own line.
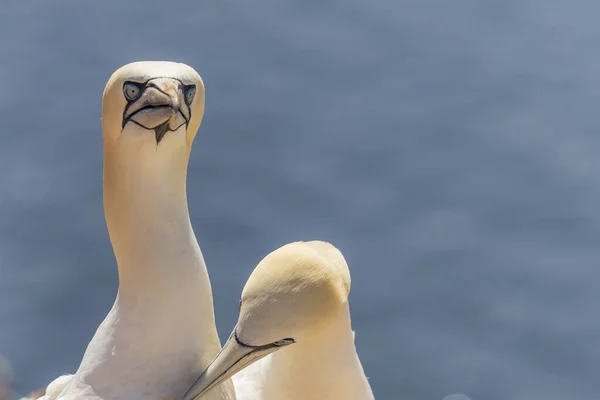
<point x="450" y="149"/>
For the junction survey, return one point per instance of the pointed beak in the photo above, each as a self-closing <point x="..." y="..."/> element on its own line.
<point x="234" y="357"/>
<point x="160" y="106"/>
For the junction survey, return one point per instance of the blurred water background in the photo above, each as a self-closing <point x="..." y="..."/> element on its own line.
<point x="448" y="148"/>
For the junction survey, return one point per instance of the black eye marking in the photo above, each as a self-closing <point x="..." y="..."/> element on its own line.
<point x="141" y="86"/>
<point x="133" y="90"/>
<point x="278" y="343"/>
<point x="189" y="93"/>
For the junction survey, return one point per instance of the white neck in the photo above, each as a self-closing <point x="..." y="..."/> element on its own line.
<point x="160" y="334"/>
<point x="324" y="366"/>
<point x="148" y="222"/>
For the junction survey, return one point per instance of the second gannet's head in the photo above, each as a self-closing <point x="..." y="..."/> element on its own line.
<point x="156" y="104"/>
<point x="293" y="293"/>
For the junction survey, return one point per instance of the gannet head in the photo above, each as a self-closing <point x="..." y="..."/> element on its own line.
<point x="153" y="102"/>
<point x="293" y="293"/>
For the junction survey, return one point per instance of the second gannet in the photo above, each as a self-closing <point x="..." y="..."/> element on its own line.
<point x="294" y="305"/>
<point x="160" y="333"/>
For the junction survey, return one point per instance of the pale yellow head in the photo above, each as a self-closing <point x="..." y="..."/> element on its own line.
<point x="153" y="102"/>
<point x="293" y="294"/>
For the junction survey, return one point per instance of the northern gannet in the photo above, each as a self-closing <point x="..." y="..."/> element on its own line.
<point x="294" y="305"/>
<point x="160" y="333"/>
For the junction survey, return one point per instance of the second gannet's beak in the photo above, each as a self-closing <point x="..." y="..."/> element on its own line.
<point x="160" y="104"/>
<point x="234" y="357"/>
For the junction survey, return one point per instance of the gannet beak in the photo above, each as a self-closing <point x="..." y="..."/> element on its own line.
<point x="233" y="357"/>
<point x="158" y="105"/>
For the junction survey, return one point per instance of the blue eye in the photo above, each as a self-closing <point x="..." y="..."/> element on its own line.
<point x="284" y="342"/>
<point x="189" y="94"/>
<point x="131" y="91"/>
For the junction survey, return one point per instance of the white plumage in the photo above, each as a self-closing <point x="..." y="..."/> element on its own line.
<point x="293" y="339"/>
<point x="160" y="334"/>
<point x="294" y="335"/>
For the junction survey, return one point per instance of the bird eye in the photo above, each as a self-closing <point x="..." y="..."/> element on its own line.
<point x="131" y="91"/>
<point x="190" y="92"/>
<point x="284" y="342"/>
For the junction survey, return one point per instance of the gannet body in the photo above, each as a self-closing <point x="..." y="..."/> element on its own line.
<point x="160" y="333"/>
<point x="294" y="312"/>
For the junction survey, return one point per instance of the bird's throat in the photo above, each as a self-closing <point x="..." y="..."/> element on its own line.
<point x="161" y="130"/>
<point x="148" y="221"/>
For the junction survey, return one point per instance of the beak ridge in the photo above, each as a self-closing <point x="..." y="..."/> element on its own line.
<point x="234" y="357"/>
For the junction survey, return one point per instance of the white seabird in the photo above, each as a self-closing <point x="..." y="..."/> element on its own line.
<point x="294" y="305"/>
<point x="160" y="333"/>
